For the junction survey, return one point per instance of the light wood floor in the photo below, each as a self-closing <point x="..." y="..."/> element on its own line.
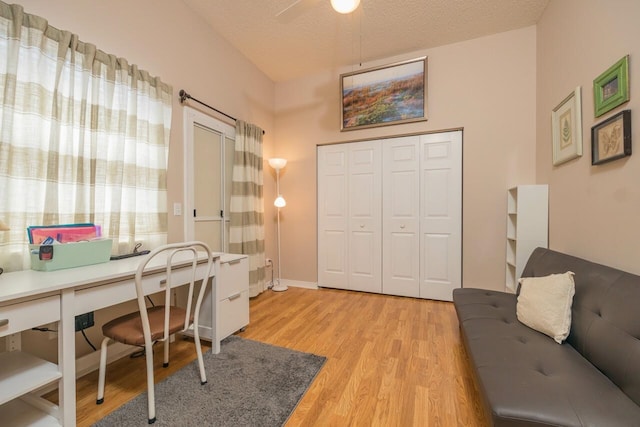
<point x="391" y="361"/>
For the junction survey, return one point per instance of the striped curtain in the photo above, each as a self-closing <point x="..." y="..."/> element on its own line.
<point x="246" y="235"/>
<point x="84" y="137"/>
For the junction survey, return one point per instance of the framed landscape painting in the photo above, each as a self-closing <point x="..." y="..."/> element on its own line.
<point x="383" y="96"/>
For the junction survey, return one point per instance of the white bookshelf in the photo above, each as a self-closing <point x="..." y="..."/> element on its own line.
<point x="527" y="228"/>
<point x="24" y="375"/>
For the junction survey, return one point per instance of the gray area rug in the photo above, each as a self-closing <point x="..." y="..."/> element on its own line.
<point x="248" y="384"/>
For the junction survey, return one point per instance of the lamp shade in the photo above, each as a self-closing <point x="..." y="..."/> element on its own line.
<point x="3" y="226"/>
<point x="277" y="163"/>
<point x="280" y="202"/>
<point x="345" y="6"/>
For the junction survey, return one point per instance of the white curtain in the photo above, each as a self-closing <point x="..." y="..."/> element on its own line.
<point x="246" y="235"/>
<point x="83" y="138"/>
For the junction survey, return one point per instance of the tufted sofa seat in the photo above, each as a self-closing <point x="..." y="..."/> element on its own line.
<point x="527" y="379"/>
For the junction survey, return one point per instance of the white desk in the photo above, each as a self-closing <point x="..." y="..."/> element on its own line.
<point x="31" y="298"/>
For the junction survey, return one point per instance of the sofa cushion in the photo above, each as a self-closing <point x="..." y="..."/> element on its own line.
<point x="525" y="378"/>
<point x="544" y="304"/>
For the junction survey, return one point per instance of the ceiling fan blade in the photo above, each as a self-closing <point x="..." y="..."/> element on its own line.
<point x="295" y="9"/>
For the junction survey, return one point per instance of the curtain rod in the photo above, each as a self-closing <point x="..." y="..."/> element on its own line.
<point x="184" y="96"/>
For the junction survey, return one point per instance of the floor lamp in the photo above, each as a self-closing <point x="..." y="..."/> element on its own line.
<point x="278" y="164"/>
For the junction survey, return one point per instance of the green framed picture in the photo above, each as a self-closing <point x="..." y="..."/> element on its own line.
<point x="611" y="88"/>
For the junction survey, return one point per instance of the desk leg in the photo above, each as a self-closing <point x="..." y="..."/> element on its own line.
<point x="67" y="359"/>
<point x="215" y="313"/>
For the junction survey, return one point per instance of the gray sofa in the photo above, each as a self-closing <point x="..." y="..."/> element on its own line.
<point x="527" y="379"/>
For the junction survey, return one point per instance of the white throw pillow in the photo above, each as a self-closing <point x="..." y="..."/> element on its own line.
<point x="544" y="304"/>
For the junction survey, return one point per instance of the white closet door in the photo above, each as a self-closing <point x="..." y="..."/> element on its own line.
<point x="365" y="216"/>
<point x="332" y="216"/>
<point x="441" y="215"/>
<point x="401" y="216"/>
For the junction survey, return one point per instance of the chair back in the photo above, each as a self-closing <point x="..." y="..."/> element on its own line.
<point x="172" y="257"/>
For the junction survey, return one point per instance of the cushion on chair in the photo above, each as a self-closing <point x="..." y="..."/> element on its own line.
<point x="128" y="329"/>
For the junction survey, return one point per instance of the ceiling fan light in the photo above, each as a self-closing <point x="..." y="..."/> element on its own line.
<point x="345" y="6"/>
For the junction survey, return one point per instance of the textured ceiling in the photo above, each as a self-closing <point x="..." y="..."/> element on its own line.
<point x="311" y="36"/>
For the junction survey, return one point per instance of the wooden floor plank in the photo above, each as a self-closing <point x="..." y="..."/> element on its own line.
<point x="391" y="361"/>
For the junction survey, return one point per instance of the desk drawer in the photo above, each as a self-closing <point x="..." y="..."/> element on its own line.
<point x="234" y="313"/>
<point x="233" y="277"/>
<point x="28" y="314"/>
<point x="105" y="295"/>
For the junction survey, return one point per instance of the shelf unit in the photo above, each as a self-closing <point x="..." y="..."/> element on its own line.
<point x="527" y="228"/>
<point x="22" y="374"/>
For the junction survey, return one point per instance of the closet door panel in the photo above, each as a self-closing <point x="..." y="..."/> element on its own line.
<point x="436" y="258"/>
<point x="332" y="217"/>
<point x="365" y="213"/>
<point x="441" y="215"/>
<point x="401" y="195"/>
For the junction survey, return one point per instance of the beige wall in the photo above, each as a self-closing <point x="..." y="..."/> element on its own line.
<point x="486" y="86"/>
<point x="593" y="209"/>
<point x="167" y="39"/>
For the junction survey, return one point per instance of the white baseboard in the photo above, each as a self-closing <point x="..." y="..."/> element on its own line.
<point x="300" y="284"/>
<point x="91" y="362"/>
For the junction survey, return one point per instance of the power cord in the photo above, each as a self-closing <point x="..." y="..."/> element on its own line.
<point x="44" y="329"/>
<point x="270" y="262"/>
<point x="140" y="352"/>
<point x="87" y="340"/>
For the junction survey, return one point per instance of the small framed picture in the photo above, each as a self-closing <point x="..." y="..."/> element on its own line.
<point x="611" y="88"/>
<point x="566" y="128"/>
<point x="611" y="139"/>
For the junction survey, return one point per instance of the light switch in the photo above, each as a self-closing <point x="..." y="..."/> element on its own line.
<point x="177" y="209"/>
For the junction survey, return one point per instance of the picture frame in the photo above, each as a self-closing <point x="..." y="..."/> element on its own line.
<point x="611" y="88"/>
<point x="382" y="96"/>
<point x="566" y="128"/>
<point x="611" y="139"/>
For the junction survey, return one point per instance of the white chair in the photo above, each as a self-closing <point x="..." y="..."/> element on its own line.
<point x="156" y="323"/>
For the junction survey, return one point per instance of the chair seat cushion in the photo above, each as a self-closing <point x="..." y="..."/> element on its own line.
<point x="127" y="329"/>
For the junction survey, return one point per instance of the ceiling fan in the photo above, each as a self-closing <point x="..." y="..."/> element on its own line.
<point x="300" y="6"/>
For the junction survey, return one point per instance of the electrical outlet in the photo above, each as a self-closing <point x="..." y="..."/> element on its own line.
<point x="84" y="321"/>
<point x="14" y="342"/>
